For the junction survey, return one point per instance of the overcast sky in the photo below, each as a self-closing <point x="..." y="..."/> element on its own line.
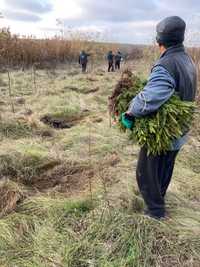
<point x="126" y="21"/>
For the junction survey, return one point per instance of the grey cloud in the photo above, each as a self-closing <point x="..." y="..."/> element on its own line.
<point x="35" y="6"/>
<point x="119" y="16"/>
<point x="120" y="11"/>
<point x="117" y="11"/>
<point x="181" y="5"/>
<point x="124" y="20"/>
<point x="21" y="16"/>
<point x="132" y="32"/>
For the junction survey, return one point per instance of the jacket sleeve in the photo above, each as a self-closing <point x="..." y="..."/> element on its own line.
<point x="159" y="89"/>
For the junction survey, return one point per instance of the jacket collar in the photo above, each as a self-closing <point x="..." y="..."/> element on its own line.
<point x="173" y="49"/>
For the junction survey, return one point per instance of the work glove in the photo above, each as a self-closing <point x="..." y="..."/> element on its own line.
<point x="127" y="121"/>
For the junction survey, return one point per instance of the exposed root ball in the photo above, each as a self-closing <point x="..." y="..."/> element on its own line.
<point x="125" y="83"/>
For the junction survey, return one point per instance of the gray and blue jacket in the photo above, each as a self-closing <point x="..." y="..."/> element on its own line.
<point x="118" y="57"/>
<point x="174" y="72"/>
<point x="83" y="58"/>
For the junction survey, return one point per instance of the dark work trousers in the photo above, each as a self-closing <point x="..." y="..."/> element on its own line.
<point x="153" y="175"/>
<point x="84" y="67"/>
<point x="117" y="65"/>
<point x="110" y="66"/>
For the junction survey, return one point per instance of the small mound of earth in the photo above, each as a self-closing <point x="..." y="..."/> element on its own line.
<point x="90" y="91"/>
<point x="2" y="103"/>
<point x="100" y="72"/>
<point x="91" y="79"/>
<point x="26" y="112"/>
<point x="73" y="73"/>
<point x="97" y="120"/>
<point x="45" y="133"/>
<point x="20" y="100"/>
<point x="10" y="196"/>
<point x="67" y="178"/>
<point x="61" y="122"/>
<point x="73" y="177"/>
<point x="2" y="83"/>
<point x="72" y="88"/>
<point x="84" y="91"/>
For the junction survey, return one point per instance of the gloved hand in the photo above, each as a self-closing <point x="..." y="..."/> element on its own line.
<point x="127" y="120"/>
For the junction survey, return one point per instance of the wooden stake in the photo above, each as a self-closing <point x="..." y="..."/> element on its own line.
<point x="10" y="91"/>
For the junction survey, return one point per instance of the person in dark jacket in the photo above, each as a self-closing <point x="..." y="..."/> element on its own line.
<point x="118" y="58"/>
<point x="110" y="58"/>
<point x="173" y="73"/>
<point x="83" y="60"/>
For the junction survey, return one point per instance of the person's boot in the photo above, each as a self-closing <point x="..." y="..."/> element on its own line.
<point x="153" y="216"/>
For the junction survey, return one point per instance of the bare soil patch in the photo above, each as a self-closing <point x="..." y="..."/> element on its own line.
<point x="73" y="178"/>
<point x="68" y="178"/>
<point x="61" y="122"/>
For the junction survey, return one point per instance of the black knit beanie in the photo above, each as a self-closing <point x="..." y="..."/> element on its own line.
<point x="171" y="31"/>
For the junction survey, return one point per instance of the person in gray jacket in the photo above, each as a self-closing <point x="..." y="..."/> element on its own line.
<point x="173" y="73"/>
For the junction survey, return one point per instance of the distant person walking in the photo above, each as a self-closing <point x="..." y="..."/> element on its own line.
<point x="118" y="58"/>
<point x="83" y="60"/>
<point x="110" y="58"/>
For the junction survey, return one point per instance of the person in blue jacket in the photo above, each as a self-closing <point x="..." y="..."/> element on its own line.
<point x="83" y="60"/>
<point x="173" y="73"/>
<point x="118" y="58"/>
<point x="110" y="58"/>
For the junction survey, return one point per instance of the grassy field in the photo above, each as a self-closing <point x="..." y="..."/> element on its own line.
<point x="68" y="195"/>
